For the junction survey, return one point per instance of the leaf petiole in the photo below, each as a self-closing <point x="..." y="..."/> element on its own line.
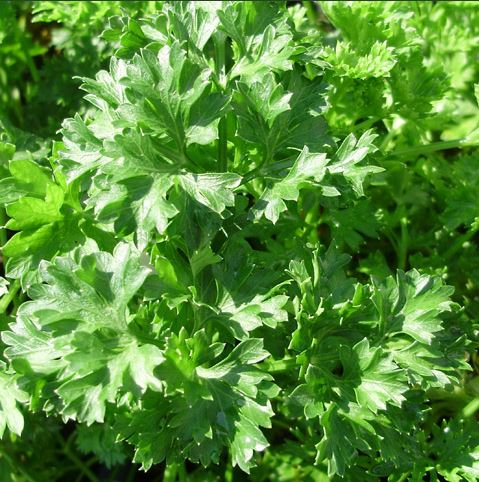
<point x="9" y="297"/>
<point x="433" y="147"/>
<point x="459" y="242"/>
<point x="278" y="366"/>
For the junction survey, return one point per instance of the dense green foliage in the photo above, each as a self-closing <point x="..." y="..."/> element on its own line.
<point x="250" y="251"/>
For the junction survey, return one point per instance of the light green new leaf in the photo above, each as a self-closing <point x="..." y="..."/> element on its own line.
<point x="35" y="205"/>
<point x="27" y="179"/>
<point x="345" y="61"/>
<point x="350" y="153"/>
<point x="28" y="212"/>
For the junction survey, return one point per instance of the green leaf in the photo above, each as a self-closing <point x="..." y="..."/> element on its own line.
<point x="247" y="296"/>
<point x="455" y="446"/>
<point x="382" y="382"/>
<point x="100" y="439"/>
<point x="77" y="327"/>
<point x="336" y="446"/>
<point x="179" y="86"/>
<point x="37" y="208"/>
<point x="350" y="153"/>
<point x="27" y="179"/>
<point x="346" y="62"/>
<point x="174" y="257"/>
<point x="137" y="204"/>
<point x="262" y="39"/>
<point x="412" y="304"/>
<point x="207" y="407"/>
<point x="306" y="170"/>
<point x="100" y="284"/>
<point x="82" y="149"/>
<point x="281" y="117"/>
<point x="214" y="190"/>
<point x="97" y="369"/>
<point x="194" y="23"/>
<point x="202" y="258"/>
<point x="10" y="397"/>
<point x="461" y="207"/>
<point x="242" y="318"/>
<point x="351" y="225"/>
<point x="27" y="212"/>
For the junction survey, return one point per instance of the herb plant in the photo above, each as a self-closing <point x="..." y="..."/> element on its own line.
<point x="251" y="249"/>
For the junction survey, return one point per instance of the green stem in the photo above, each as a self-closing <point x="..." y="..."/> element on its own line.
<point x="89" y="463"/>
<point x="311" y="11"/>
<point x="182" y="475"/>
<point x="31" y="65"/>
<point x="171" y="472"/>
<point x="176" y="157"/>
<point x="220" y="60"/>
<point x="403" y="245"/>
<point x="263" y="170"/>
<point x="3" y="221"/>
<point x="281" y="424"/>
<point x="78" y="463"/>
<point x="220" y="56"/>
<point x="471" y="408"/>
<point x="365" y="125"/>
<point x="459" y="243"/>
<point x="392" y="239"/>
<point x="229" y="471"/>
<point x="26" y="54"/>
<point x="8" y="298"/>
<point x="278" y="366"/>
<point x="288" y="427"/>
<point x="131" y="473"/>
<point x="222" y="145"/>
<point x="428" y="148"/>
<point x="113" y="474"/>
<point x="387" y="139"/>
<point x="17" y="467"/>
<point x="403" y="477"/>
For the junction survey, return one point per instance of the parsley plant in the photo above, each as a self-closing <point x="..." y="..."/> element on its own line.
<point x="251" y="249"/>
